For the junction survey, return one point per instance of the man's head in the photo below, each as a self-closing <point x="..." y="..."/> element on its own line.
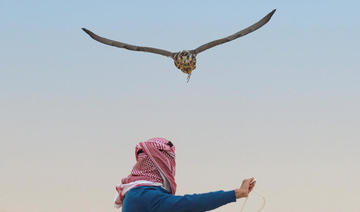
<point x="158" y="154"/>
<point x="155" y="166"/>
<point x="155" y="162"/>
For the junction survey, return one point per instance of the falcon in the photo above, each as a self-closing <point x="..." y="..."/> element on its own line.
<point x="184" y="60"/>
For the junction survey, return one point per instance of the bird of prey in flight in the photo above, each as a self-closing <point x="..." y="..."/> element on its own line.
<point x="184" y="60"/>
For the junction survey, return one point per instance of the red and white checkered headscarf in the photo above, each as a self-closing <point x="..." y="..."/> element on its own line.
<point x="155" y="166"/>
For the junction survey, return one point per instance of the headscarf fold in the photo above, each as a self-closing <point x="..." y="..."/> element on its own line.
<point x="155" y="166"/>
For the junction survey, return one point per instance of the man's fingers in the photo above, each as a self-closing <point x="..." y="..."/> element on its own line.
<point x="248" y="184"/>
<point x="248" y="180"/>
<point x="252" y="185"/>
<point x="253" y="180"/>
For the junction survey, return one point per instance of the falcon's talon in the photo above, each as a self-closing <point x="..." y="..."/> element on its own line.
<point x="188" y="78"/>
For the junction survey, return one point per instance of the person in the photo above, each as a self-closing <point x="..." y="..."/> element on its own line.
<point x="151" y="185"/>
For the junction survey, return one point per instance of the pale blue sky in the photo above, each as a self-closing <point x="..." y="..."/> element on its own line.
<point x="307" y="48"/>
<point x="281" y="104"/>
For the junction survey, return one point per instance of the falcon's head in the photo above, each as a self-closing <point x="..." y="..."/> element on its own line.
<point x="185" y="61"/>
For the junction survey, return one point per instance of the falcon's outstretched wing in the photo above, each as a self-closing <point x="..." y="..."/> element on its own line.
<point x="127" y="46"/>
<point x="243" y="32"/>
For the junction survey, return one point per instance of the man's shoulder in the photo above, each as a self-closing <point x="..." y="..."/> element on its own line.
<point x="142" y="198"/>
<point x="143" y="190"/>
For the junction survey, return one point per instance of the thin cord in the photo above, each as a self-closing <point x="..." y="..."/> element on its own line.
<point x="243" y="206"/>
<point x="263" y="205"/>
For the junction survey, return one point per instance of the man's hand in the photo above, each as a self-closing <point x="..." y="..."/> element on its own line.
<point x="246" y="187"/>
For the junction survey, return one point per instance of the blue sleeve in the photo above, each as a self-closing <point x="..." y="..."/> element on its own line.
<point x="160" y="201"/>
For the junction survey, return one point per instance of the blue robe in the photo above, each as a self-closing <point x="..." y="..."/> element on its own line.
<point x="157" y="199"/>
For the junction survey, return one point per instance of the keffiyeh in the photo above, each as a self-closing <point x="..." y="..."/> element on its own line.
<point x="155" y="166"/>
